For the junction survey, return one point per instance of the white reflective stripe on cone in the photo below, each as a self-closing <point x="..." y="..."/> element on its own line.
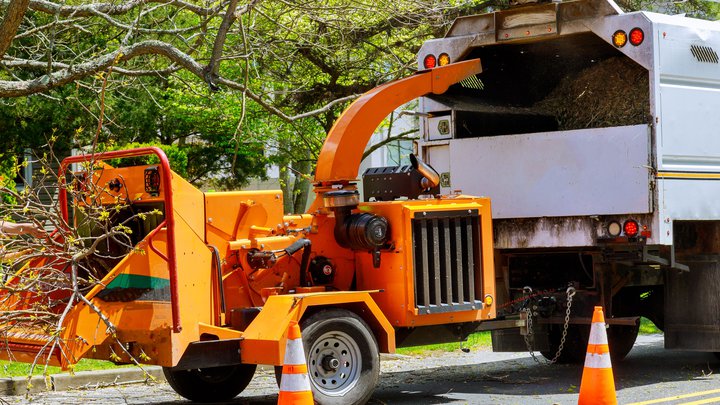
<point x="598" y="336"/>
<point x="294" y="353"/>
<point x="294" y="382"/>
<point x="597" y="360"/>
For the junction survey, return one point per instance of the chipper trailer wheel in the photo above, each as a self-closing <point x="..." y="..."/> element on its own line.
<point x="342" y="355"/>
<point x="211" y="384"/>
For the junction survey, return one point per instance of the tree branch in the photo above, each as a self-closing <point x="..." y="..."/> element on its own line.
<point x="213" y="66"/>
<point x="88" y="10"/>
<point x="403" y="136"/>
<point x="40" y="65"/>
<point x="8" y="28"/>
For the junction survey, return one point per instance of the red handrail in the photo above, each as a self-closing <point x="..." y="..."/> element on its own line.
<point x="169" y="211"/>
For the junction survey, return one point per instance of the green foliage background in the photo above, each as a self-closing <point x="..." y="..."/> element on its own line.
<point x="296" y="56"/>
<point x="8" y="171"/>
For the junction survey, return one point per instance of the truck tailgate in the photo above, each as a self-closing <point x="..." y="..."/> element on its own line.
<point x="600" y="171"/>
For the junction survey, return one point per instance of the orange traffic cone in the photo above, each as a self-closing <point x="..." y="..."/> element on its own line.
<point x="295" y="384"/>
<point x="597" y="385"/>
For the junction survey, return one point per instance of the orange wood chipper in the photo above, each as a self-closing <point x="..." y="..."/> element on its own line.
<point x="210" y="287"/>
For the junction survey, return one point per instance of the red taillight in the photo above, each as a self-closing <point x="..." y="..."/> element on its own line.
<point x="631" y="228"/>
<point x="636" y="36"/>
<point x="430" y="61"/>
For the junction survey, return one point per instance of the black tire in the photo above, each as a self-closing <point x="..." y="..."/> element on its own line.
<point x="342" y="335"/>
<point x="575" y="346"/>
<point x="620" y="339"/>
<point x="210" y="384"/>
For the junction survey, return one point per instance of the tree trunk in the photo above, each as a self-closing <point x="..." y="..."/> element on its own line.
<point x="286" y="190"/>
<point x="8" y="28"/>
<point x="301" y="188"/>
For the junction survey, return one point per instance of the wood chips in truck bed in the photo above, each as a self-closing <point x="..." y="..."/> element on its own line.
<point x="612" y="92"/>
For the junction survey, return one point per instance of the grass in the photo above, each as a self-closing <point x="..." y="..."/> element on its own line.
<point x="647" y="327"/>
<point x="474" y="341"/>
<point x="482" y="340"/>
<point x="16" y="369"/>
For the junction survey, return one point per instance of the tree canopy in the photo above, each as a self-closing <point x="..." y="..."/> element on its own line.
<point x="236" y="84"/>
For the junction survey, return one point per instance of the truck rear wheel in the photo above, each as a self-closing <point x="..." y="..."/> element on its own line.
<point x="342" y="355"/>
<point x="211" y="384"/>
<point x="575" y="345"/>
<point x="620" y="339"/>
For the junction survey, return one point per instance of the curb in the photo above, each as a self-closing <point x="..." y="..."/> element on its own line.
<point x="80" y="380"/>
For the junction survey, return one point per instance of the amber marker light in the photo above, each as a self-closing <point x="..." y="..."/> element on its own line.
<point x="429" y="62"/>
<point x="488" y="301"/>
<point x="443" y="59"/>
<point x="619" y="38"/>
<point x="645" y="232"/>
<point x="636" y="36"/>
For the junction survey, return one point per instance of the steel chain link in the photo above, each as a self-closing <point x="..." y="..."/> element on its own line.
<point x="570" y="294"/>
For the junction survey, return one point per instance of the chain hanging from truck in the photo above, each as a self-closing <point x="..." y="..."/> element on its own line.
<point x="528" y="314"/>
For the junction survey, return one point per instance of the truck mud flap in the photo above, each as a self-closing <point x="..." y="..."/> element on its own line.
<point x="211" y="353"/>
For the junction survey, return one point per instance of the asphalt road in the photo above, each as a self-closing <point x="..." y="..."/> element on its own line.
<point x="649" y="375"/>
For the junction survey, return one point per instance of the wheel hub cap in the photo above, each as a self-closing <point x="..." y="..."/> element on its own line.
<point x="330" y="363"/>
<point x="335" y="363"/>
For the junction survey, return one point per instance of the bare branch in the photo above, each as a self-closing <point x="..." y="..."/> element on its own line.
<point x="88" y="10"/>
<point x="213" y="65"/>
<point x="72" y="73"/>
<point x="403" y="136"/>
<point x="246" y="8"/>
<point x="8" y="28"/>
<point x="150" y="47"/>
<point x="40" y="65"/>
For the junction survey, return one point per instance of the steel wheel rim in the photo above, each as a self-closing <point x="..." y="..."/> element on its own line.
<point x="329" y="346"/>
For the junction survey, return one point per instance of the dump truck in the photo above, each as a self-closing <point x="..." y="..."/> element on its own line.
<point x="594" y="132"/>
<point x="212" y="280"/>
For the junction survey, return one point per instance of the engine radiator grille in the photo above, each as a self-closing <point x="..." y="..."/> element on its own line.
<point x="447" y="257"/>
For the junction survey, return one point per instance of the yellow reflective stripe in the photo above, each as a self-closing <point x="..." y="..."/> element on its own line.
<point x="593" y="360"/>
<point x="294" y="382"/>
<point x="676" y="397"/>
<point x="670" y="175"/>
